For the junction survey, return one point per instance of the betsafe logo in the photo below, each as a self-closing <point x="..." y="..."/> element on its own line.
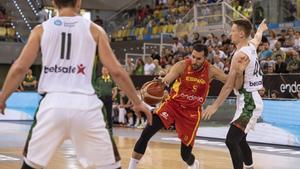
<point x="79" y="69"/>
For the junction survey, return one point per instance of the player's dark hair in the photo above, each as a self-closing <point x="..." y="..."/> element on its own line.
<point x="65" y="3"/>
<point x="199" y="48"/>
<point x="244" y="25"/>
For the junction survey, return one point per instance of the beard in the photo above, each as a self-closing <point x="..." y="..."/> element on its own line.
<point x="196" y="67"/>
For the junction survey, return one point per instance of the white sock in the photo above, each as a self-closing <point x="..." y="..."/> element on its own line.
<point x="133" y="163"/>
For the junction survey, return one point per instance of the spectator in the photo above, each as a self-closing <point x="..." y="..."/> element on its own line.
<point x="274" y="94"/>
<point x="219" y="52"/>
<point x="211" y="53"/>
<point x="42" y="15"/>
<point x="157" y="69"/>
<point x="262" y="92"/>
<point x="129" y="66"/>
<point x="155" y="54"/>
<point x="30" y="82"/>
<point x="278" y="51"/>
<point x="225" y="40"/>
<point x="263" y="55"/>
<point x="218" y="63"/>
<point x="294" y="65"/>
<point x="282" y="37"/>
<point x="139" y="67"/>
<point x="149" y="66"/>
<point x="226" y="66"/>
<point x="272" y="39"/>
<point x="280" y="66"/>
<point x="297" y="41"/>
<point x="185" y="41"/>
<point x="176" y="45"/>
<point x="123" y="104"/>
<point x="210" y="40"/>
<point x="196" y="38"/>
<point x="298" y="95"/>
<point x="270" y="69"/>
<point x="291" y="33"/>
<point x="98" y="21"/>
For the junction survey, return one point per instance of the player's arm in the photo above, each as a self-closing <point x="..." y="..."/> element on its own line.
<point x="235" y="70"/>
<point x="20" y="67"/>
<point x="119" y="75"/>
<point x="175" y="72"/>
<point x="259" y="33"/>
<point x="217" y="74"/>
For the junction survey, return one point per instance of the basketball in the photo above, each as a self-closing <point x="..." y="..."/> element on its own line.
<point x="152" y="92"/>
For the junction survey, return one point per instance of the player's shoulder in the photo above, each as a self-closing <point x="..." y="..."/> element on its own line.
<point x="97" y="31"/>
<point x="37" y="30"/>
<point x="97" y="28"/>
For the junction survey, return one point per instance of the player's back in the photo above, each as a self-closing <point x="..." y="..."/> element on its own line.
<point x="68" y="52"/>
<point x="253" y="73"/>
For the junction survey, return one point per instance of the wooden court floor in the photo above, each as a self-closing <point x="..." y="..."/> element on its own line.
<point x="159" y="155"/>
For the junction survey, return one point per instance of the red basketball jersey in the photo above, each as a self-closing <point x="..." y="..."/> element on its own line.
<point x="191" y="88"/>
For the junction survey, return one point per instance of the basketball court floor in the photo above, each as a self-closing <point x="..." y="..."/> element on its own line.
<point x="163" y="151"/>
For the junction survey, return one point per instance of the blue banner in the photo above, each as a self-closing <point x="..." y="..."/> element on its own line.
<point x="21" y="106"/>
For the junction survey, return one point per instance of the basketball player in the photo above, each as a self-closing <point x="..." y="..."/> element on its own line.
<point x="70" y="108"/>
<point x="249" y="102"/>
<point x="184" y="105"/>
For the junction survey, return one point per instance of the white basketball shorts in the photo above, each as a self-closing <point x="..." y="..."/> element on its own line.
<point x="76" y="117"/>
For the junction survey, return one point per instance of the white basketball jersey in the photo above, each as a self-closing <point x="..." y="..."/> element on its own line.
<point x="253" y="73"/>
<point x="68" y="52"/>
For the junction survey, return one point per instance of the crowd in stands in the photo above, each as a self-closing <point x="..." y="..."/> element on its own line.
<point x="7" y="33"/>
<point x="277" y="53"/>
<point x="145" y="22"/>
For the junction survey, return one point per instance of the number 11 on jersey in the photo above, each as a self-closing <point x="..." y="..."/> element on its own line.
<point x="63" y="44"/>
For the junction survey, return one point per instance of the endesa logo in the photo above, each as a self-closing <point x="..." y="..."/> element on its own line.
<point x="192" y="97"/>
<point x="79" y="69"/>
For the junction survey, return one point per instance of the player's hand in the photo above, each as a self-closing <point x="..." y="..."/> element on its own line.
<point x="262" y="26"/>
<point x="141" y="107"/>
<point x="160" y="81"/>
<point x="2" y="105"/>
<point x="208" y="112"/>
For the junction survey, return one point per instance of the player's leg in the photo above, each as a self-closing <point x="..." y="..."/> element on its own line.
<point x="233" y="139"/>
<point x="187" y="123"/>
<point x="188" y="157"/>
<point x="247" y="153"/>
<point x="45" y="136"/>
<point x="141" y="144"/>
<point x="116" y="152"/>
<point x="91" y="139"/>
